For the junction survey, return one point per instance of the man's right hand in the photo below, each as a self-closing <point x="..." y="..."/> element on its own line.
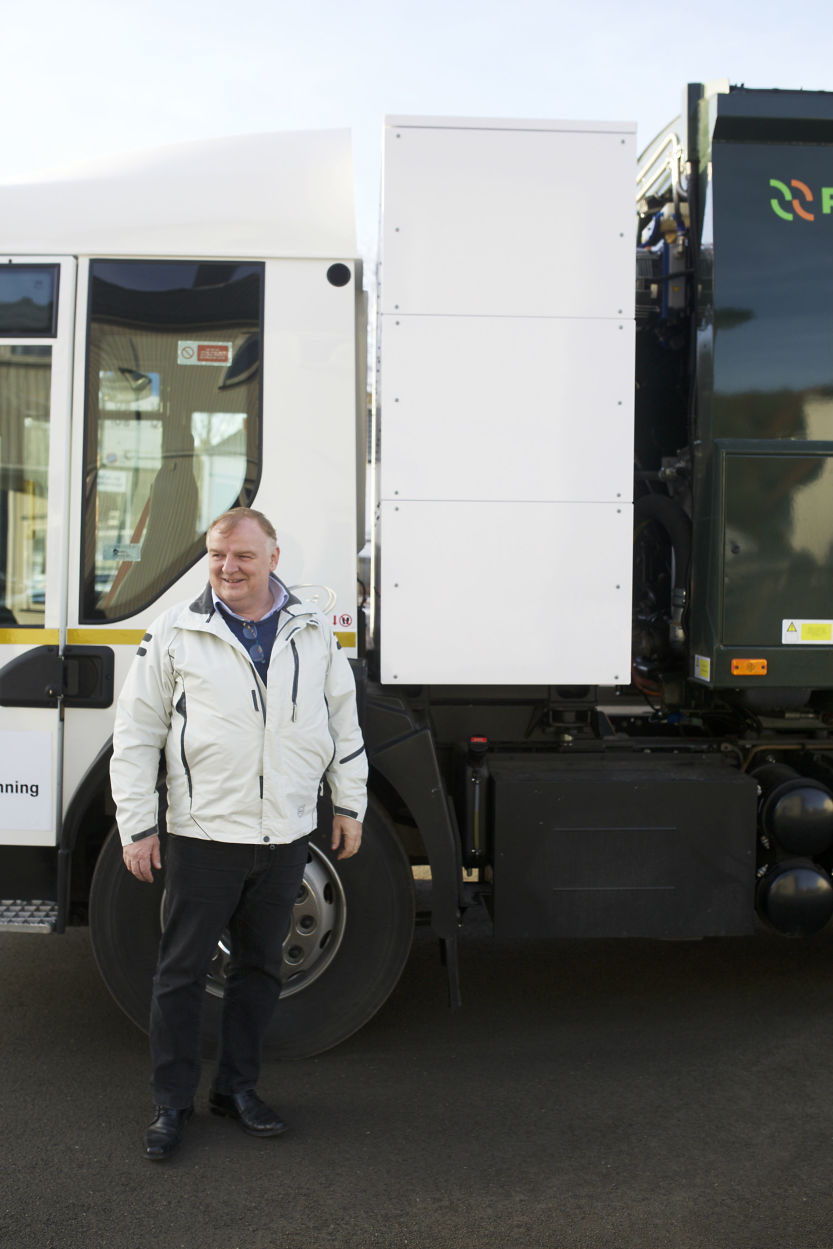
<point x="141" y="857"/>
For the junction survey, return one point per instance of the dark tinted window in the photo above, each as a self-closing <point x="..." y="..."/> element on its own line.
<point x="28" y="300"/>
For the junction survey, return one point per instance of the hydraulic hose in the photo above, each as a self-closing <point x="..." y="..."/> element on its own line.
<point x="671" y="517"/>
<point x="675" y="522"/>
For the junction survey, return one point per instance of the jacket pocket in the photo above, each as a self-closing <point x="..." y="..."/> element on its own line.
<point x="181" y="708"/>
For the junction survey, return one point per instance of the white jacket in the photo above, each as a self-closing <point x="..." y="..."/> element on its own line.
<point x="244" y="761"/>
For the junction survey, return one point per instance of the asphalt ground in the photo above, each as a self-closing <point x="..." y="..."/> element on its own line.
<point x="604" y="1095"/>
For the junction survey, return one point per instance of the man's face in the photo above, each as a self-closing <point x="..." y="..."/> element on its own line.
<point x="239" y="563"/>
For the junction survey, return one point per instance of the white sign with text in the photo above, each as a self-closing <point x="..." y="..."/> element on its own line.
<point x="26" y="802"/>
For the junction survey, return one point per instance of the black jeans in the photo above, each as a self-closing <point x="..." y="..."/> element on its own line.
<point x="211" y="886"/>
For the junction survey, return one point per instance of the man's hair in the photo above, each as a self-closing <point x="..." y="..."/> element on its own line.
<point x="230" y="520"/>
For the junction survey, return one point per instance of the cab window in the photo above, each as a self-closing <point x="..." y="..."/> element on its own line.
<point x="172" y="434"/>
<point x="25" y="384"/>
<point x="28" y="300"/>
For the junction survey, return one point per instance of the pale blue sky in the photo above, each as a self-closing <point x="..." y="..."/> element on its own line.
<point x="90" y="77"/>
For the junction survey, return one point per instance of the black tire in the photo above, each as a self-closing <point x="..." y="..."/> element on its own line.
<point x="377" y="909"/>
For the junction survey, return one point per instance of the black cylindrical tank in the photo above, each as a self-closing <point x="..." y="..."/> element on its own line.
<point x="795" y="811"/>
<point x="796" y="897"/>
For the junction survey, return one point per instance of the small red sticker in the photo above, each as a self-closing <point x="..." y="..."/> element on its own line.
<point x="213" y="353"/>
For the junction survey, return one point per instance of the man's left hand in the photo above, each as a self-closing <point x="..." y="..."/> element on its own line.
<point x="347" y="836"/>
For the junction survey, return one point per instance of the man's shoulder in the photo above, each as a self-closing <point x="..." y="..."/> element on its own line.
<point x="185" y="612"/>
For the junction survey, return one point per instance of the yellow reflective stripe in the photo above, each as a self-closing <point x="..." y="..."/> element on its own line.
<point x="30" y="637"/>
<point x="100" y="637"/>
<point x="104" y="637"/>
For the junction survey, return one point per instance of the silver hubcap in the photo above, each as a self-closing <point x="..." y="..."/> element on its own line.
<point x="315" y="931"/>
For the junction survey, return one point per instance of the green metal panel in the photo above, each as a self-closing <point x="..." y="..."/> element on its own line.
<point x="777" y="541"/>
<point x="763" y="515"/>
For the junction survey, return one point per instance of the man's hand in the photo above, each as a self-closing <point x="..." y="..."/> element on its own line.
<point x="140" y="857"/>
<point x="347" y="834"/>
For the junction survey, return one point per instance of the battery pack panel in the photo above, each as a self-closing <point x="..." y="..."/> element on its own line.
<point x="600" y="847"/>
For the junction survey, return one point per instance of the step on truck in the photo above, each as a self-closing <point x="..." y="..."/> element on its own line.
<point x="592" y="628"/>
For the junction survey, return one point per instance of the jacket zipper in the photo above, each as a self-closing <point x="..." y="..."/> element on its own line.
<point x="297" y="664"/>
<point x="259" y="705"/>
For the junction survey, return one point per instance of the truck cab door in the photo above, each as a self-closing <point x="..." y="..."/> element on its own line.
<point x="37" y="300"/>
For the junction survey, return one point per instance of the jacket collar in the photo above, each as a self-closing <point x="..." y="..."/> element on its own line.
<point x="202" y="614"/>
<point x="204" y="605"/>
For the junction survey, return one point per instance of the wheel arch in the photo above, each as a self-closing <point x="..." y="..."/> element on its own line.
<point x="404" y="762"/>
<point x="89" y="817"/>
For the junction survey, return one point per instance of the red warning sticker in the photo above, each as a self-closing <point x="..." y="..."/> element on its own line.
<point x="203" y="353"/>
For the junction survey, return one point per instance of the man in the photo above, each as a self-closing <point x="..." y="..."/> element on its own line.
<point x="250" y="696"/>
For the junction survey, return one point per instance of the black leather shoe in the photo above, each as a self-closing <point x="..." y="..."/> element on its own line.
<point x="253" y="1115"/>
<point x="165" y="1133"/>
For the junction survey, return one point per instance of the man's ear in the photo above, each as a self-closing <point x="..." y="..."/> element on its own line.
<point x="275" y="557"/>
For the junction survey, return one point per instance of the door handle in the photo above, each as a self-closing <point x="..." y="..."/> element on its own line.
<point x="42" y="677"/>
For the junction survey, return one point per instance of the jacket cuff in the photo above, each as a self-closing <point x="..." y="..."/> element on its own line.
<point x="149" y="832"/>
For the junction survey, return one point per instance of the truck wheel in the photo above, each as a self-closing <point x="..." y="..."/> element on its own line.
<point x="350" y="937"/>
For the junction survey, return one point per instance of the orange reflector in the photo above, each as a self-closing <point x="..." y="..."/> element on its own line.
<point x="748" y="667"/>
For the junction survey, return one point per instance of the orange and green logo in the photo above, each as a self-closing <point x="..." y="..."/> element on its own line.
<point x="797" y="200"/>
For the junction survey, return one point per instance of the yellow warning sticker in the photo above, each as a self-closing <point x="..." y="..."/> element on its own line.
<point x="702" y="668"/>
<point x="806" y="632"/>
